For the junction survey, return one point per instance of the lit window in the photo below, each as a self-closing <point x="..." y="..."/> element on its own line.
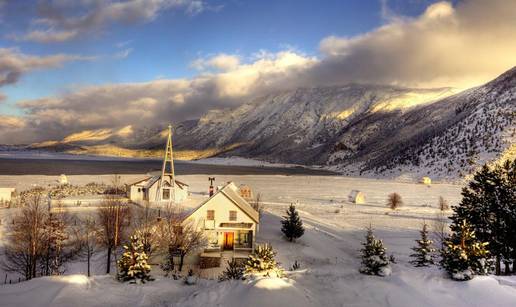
<point x="232" y="215"/>
<point x="210" y="215"/>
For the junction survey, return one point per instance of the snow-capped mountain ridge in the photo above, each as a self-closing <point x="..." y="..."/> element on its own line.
<point x="356" y="129"/>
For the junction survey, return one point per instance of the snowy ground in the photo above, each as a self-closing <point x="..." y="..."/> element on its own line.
<point x="328" y="253"/>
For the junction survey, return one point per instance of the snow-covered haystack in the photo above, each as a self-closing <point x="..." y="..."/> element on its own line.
<point x="356" y="197"/>
<point x="425" y="180"/>
<point x="258" y="292"/>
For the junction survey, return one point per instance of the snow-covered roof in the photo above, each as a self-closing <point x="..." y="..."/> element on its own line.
<point x="230" y="192"/>
<point x="355" y="193"/>
<point x="150" y="181"/>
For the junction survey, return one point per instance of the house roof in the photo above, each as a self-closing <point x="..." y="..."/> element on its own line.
<point x="229" y="192"/>
<point x="150" y="181"/>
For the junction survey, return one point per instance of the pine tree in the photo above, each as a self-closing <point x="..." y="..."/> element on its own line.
<point x="262" y="261"/>
<point x="133" y="264"/>
<point x="489" y="205"/>
<point x="464" y="255"/>
<point x="424" y="251"/>
<point x="292" y="226"/>
<point x="234" y="270"/>
<point x="374" y="259"/>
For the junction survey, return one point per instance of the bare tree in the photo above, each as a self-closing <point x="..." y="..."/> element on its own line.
<point x="179" y="237"/>
<point x="191" y="240"/>
<point x="394" y="201"/>
<point x="114" y="216"/>
<point x="442" y="204"/>
<point x="168" y="230"/>
<point x="145" y="226"/>
<point x="257" y="204"/>
<point x="441" y="228"/>
<point x="59" y="245"/>
<point x="88" y="240"/>
<point x="26" y="239"/>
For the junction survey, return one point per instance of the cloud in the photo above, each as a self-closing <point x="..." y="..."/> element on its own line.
<point x="13" y="63"/>
<point x="459" y="46"/>
<point x="61" y="21"/>
<point x="45" y="36"/>
<point x="221" y="62"/>
<point x="158" y="101"/>
<point x="11" y="122"/>
<point x="123" y="53"/>
<point x="445" y="46"/>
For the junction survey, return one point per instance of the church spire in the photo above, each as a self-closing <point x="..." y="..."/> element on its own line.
<point x="167" y="171"/>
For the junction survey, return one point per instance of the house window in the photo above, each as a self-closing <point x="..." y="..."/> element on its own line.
<point x="210" y="215"/>
<point x="166" y="193"/>
<point x="213" y="238"/>
<point x="139" y="190"/>
<point x="244" y="237"/>
<point x="232" y="215"/>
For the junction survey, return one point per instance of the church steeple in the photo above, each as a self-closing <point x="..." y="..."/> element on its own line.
<point x="167" y="171"/>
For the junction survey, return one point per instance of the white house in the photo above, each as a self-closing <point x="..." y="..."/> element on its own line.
<point x="230" y="224"/>
<point x="6" y="194"/>
<point x="356" y="197"/>
<point x="146" y="190"/>
<point x="63" y="179"/>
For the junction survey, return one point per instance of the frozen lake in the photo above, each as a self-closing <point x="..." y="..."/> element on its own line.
<point x="76" y="166"/>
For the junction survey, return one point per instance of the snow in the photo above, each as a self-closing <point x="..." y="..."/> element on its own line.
<point x="328" y="253"/>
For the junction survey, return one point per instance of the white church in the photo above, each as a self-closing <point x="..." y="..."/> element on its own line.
<point x="160" y="189"/>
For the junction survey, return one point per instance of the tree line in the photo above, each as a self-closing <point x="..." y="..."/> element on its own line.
<point x="42" y="239"/>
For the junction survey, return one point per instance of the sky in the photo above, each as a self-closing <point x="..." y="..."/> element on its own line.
<point x="73" y="65"/>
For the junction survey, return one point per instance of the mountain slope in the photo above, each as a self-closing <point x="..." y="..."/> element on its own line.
<point x="356" y="129"/>
<point x="299" y="126"/>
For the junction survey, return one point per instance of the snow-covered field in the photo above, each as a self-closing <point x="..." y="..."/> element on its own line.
<point x="328" y="253"/>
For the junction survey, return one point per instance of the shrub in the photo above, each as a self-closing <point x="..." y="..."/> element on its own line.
<point x="262" y="261"/>
<point x="394" y="201"/>
<point x="234" y="270"/>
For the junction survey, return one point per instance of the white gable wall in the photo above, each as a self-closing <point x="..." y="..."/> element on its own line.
<point x="6" y="194"/>
<point x="221" y="205"/>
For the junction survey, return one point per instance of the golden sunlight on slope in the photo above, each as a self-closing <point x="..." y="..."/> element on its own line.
<point x="88" y="135"/>
<point x="345" y="114"/>
<point x="125" y="131"/>
<point x="116" y="151"/>
<point x="413" y="99"/>
<point x="507" y="154"/>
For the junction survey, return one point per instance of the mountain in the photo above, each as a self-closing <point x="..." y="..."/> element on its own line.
<point x="299" y="126"/>
<point x="356" y="129"/>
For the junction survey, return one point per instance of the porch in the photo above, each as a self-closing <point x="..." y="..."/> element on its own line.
<point x="237" y="241"/>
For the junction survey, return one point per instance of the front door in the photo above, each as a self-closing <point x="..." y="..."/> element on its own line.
<point x="228" y="240"/>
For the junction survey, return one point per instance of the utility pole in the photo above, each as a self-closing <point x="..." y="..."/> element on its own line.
<point x="211" y="179"/>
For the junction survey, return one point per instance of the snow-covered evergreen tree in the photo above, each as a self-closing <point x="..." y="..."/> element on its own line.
<point x="489" y="206"/>
<point x="464" y="256"/>
<point x="424" y="252"/>
<point x="234" y="270"/>
<point x="374" y="258"/>
<point x="262" y="261"/>
<point x="133" y="264"/>
<point x="291" y="225"/>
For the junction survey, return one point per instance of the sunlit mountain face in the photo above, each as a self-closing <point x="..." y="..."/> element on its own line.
<point x="338" y="84"/>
